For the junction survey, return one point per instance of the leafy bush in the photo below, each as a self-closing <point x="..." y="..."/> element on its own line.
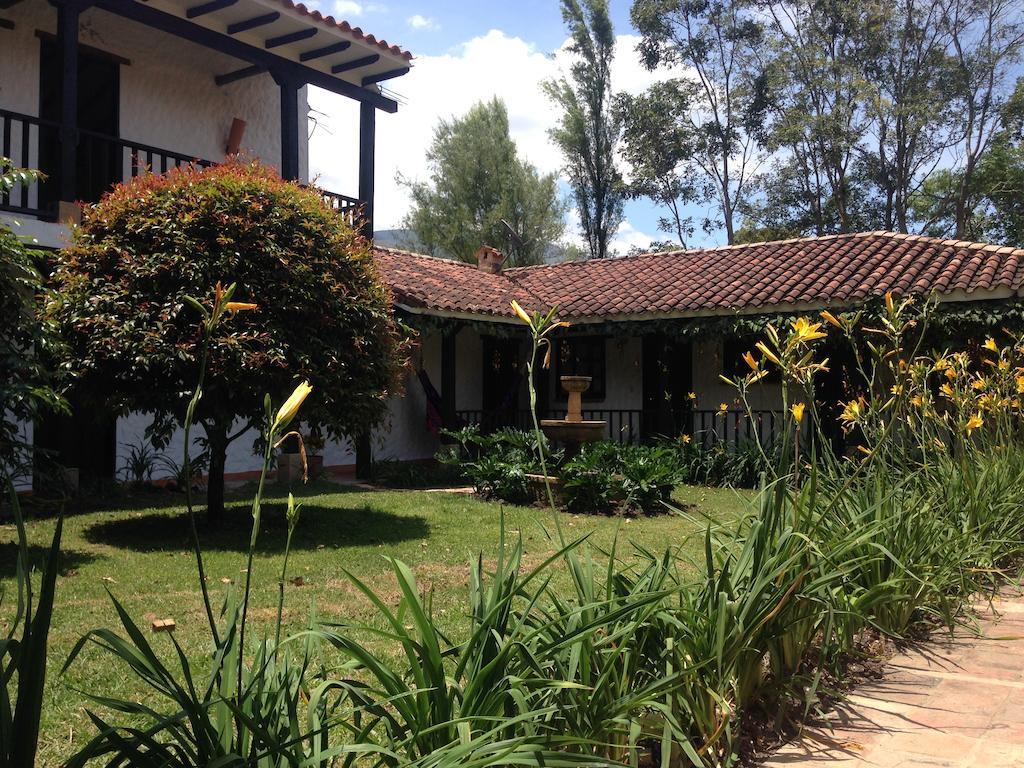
<point x="26" y="338"/>
<point x="718" y="465"/>
<point x="497" y="464"/>
<point x="608" y="477"/>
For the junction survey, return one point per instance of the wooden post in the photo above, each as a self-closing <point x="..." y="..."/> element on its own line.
<point x="68" y="13"/>
<point x="367" y="141"/>
<point x="289" y="88"/>
<point x="448" y="378"/>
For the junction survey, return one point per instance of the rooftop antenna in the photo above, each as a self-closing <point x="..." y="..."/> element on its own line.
<point x="517" y="241"/>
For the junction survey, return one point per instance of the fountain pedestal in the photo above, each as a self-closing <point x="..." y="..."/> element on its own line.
<point x="573" y="430"/>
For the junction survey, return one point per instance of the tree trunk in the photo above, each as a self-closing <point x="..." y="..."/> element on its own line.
<point x="217" y="439"/>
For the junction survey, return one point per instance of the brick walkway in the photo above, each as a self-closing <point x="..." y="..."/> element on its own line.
<point x="953" y="702"/>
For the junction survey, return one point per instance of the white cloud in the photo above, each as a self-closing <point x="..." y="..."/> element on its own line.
<point x="347" y="8"/>
<point x="447" y="85"/>
<point x="351" y="8"/>
<point x="629" y="237"/>
<point x="417" y="21"/>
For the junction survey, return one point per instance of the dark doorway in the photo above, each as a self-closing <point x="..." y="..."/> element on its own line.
<point x="502" y="380"/>
<point x="667" y="383"/>
<point x="99" y="97"/>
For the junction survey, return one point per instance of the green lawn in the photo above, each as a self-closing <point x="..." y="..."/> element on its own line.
<point x="142" y="554"/>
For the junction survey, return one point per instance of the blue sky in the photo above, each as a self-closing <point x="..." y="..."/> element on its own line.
<point x="465" y="52"/>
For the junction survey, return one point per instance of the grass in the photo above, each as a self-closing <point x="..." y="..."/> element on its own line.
<point x="141" y="552"/>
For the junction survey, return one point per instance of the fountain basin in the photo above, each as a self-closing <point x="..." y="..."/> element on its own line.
<point x="573" y="432"/>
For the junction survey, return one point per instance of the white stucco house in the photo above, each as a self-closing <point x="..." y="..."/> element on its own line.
<point x="94" y="91"/>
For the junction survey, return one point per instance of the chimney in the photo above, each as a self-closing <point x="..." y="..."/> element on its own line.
<point x="489" y="259"/>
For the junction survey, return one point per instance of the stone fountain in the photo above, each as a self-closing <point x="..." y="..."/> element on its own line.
<point x="573" y="430"/>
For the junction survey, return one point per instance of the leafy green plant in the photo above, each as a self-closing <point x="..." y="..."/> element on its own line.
<point x="607" y="477"/>
<point x="140" y="463"/>
<point x="23" y="649"/>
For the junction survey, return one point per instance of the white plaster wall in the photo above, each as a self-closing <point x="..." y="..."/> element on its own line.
<point x="168" y="96"/>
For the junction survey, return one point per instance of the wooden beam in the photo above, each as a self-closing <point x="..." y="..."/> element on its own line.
<point x="327" y="50"/>
<point x="204" y="8"/>
<point x="239" y="74"/>
<point x="291" y="37"/>
<point x="371" y="79"/>
<point x="347" y="66"/>
<point x="255" y="21"/>
<point x="176" y="25"/>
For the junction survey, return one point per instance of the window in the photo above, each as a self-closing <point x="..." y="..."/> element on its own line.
<point x="581" y="356"/>
<point x="733" y="363"/>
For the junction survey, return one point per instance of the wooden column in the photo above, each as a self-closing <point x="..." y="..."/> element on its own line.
<point x="289" y="87"/>
<point x="367" y="141"/>
<point x="68" y="12"/>
<point x="448" y="378"/>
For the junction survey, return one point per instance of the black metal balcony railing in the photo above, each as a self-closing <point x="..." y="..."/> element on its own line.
<point x="33" y="142"/>
<point x="711" y="428"/>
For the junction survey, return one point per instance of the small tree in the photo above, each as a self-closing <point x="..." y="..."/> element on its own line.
<point x="480" y="189"/>
<point x="589" y="127"/>
<point x="120" y="294"/>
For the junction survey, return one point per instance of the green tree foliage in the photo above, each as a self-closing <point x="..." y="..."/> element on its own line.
<point x="993" y="198"/>
<point x="480" y="188"/>
<point x="132" y="342"/>
<point x="875" y="107"/>
<point x="659" y="147"/>
<point x="589" y="127"/>
<point x="711" y="43"/>
<point x="26" y="387"/>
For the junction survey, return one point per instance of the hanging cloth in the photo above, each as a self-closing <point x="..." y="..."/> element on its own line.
<point x="434" y="420"/>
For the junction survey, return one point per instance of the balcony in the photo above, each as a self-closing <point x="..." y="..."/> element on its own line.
<point x="101" y="162"/>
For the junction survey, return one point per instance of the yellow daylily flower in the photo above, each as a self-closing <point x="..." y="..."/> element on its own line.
<point x="974" y="423"/>
<point x="797" y="410"/>
<point x="691" y="396"/>
<point x="723" y="407"/>
<point x="805" y="330"/>
<point x="291" y="406"/>
<point x="240" y="306"/>
<point x="990" y="344"/>
<point x="852" y="412"/>
<point x="686" y="439"/>
<point x="916" y="401"/>
<point x="1020" y="383"/>
<point x="521" y="312"/>
<point x="832" y="320"/>
<point x="978" y="384"/>
<point x="947" y="391"/>
<point x="767" y="352"/>
<point x="890" y="307"/>
<point x="749" y="360"/>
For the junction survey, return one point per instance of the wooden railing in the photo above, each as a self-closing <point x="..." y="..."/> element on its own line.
<point x="103" y="160"/>
<point x="710" y="428"/>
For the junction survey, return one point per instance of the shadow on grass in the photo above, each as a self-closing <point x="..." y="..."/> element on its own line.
<point x="318" y="526"/>
<point x="70" y="559"/>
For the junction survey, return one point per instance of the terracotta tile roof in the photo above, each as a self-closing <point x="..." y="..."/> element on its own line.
<point x="344" y="26"/>
<point x="836" y="270"/>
